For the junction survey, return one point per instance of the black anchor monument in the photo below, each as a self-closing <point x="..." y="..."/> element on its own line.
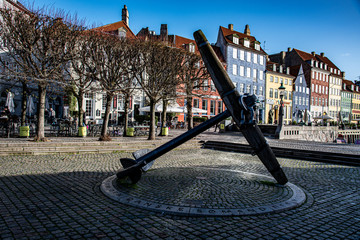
<point x="240" y="108"/>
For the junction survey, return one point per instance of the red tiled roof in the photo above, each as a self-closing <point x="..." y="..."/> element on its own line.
<point x="307" y="56"/>
<point x="114" y="27"/>
<point x="17" y="5"/>
<point x="227" y="32"/>
<point x="348" y="85"/>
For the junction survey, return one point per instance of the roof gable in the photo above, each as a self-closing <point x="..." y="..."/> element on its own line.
<point x="114" y="27"/>
<point x="227" y="33"/>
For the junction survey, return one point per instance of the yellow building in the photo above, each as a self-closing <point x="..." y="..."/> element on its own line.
<point x="355" y="104"/>
<point x="275" y="75"/>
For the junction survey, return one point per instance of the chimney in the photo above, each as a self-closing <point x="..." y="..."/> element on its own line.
<point x="125" y="15"/>
<point x="313" y="53"/>
<point x="231" y="27"/>
<point x="289" y="49"/>
<point x="247" y="30"/>
<point x="322" y="54"/>
<point x="164" y="32"/>
<point x="283" y="55"/>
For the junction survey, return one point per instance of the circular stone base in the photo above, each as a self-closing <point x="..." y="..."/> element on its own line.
<point x="200" y="191"/>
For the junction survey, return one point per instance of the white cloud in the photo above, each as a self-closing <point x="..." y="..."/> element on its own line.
<point x="345" y="55"/>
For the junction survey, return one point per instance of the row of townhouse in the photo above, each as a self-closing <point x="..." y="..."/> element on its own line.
<point x="313" y="84"/>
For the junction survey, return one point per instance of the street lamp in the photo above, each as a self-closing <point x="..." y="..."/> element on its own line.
<point x="281" y="111"/>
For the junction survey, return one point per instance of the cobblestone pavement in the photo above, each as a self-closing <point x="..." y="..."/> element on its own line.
<point x="58" y="197"/>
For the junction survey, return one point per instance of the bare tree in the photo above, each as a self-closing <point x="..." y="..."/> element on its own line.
<point x="156" y="67"/>
<point x="40" y="43"/>
<point x="109" y="57"/>
<point x="193" y="77"/>
<point x="80" y="70"/>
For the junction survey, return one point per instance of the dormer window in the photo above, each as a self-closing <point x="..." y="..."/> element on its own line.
<point x="321" y="65"/>
<point x="352" y="87"/>
<point x="191" y="47"/>
<point x="235" y="39"/>
<point x="257" y="46"/>
<point x="246" y="42"/>
<point x="122" y="32"/>
<point x="316" y="64"/>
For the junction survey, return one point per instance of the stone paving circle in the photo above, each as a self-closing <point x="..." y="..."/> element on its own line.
<point x="204" y="191"/>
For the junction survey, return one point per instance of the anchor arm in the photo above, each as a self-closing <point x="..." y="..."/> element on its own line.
<point x="135" y="169"/>
<point x="238" y="109"/>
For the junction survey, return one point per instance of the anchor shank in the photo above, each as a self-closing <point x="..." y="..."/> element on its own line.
<point x="231" y="97"/>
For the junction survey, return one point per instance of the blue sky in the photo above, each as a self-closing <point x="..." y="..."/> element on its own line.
<point x="329" y="26"/>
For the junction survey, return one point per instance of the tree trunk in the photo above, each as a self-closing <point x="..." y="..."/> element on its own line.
<point x="80" y="98"/>
<point x="163" y="116"/>
<point x="126" y="113"/>
<point x="104" y="136"/>
<point x="189" y="118"/>
<point x="24" y="103"/>
<point x="40" y="131"/>
<point x="152" y="121"/>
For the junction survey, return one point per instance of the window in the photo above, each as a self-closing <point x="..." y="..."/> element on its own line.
<point x="255" y="58"/>
<point x="248" y="72"/>
<point x="234" y="53"/>
<point x="248" y="88"/>
<point x="235" y="40"/>
<point x="307" y="102"/>
<point x="296" y="88"/>
<point x="88" y="107"/>
<point x="261" y="91"/>
<point x="257" y="46"/>
<point x="286" y="81"/>
<point x="316" y="88"/>
<point x="213" y="89"/>
<point x="261" y="60"/>
<point x="312" y="100"/>
<point x="281" y="80"/>
<point x="254" y="74"/>
<point x="261" y="75"/>
<point x="192" y="47"/>
<point x="204" y="104"/>
<point x="196" y="103"/>
<point x="271" y="93"/>
<point x="300" y="79"/>
<point x="316" y="101"/>
<point x="104" y="102"/>
<point x="246" y="43"/>
<point x="219" y="107"/>
<point x="234" y="70"/>
<point x="285" y="95"/>
<point x="121" y="103"/>
<point x="327" y="90"/>
<point x="312" y="87"/>
<point x="290" y="82"/>
<point x="276" y="93"/>
<point x="212" y="107"/>
<point x="242" y="88"/>
<point x="241" y="70"/>
<point x="242" y="55"/>
<point x="255" y="90"/>
<point x="271" y="78"/>
<point x="248" y="56"/>
<point x="290" y="95"/>
<point x="276" y="79"/>
<point x="206" y="85"/>
<point x="313" y="75"/>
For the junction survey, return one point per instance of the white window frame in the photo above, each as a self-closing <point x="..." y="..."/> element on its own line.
<point x="242" y="71"/>
<point x="234" y="69"/>
<point x="248" y="73"/>
<point x="255" y="58"/>
<point x="242" y="55"/>
<point x="234" y="53"/>
<point x="248" y="56"/>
